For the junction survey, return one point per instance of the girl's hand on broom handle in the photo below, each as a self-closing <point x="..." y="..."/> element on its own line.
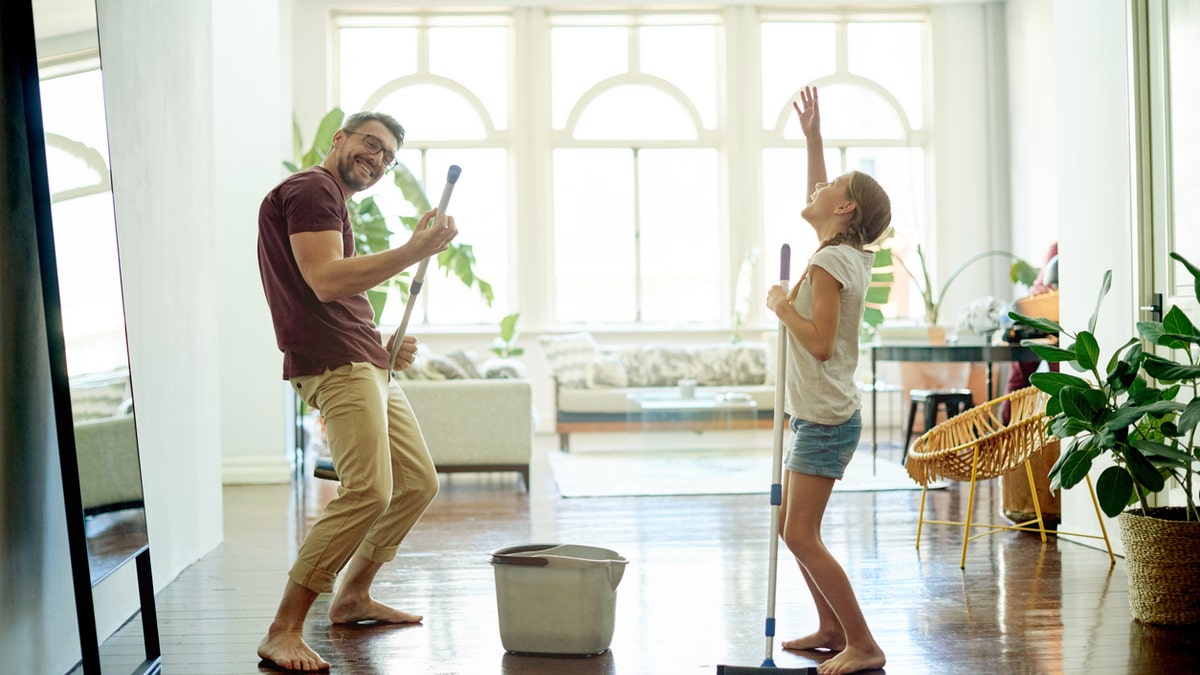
<point x="777" y="300"/>
<point x="407" y="353"/>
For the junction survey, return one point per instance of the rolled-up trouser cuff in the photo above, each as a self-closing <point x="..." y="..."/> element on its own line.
<point x="315" y="580"/>
<point x="377" y="554"/>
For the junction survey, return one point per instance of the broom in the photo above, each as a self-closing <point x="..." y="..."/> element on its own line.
<point x="768" y="664"/>
<point x="324" y="466"/>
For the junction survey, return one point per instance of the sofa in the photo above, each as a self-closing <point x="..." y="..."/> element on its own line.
<point x="106" y="442"/>
<point x="638" y="387"/>
<point x="475" y="425"/>
<point x="476" y="414"/>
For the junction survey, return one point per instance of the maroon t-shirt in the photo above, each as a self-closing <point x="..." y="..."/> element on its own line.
<point x="313" y="335"/>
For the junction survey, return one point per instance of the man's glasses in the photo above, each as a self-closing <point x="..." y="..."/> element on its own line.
<point x="374" y="145"/>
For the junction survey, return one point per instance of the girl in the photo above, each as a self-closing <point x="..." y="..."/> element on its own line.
<point x="822" y="316"/>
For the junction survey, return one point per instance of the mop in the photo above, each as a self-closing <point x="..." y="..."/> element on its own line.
<point x="324" y="466"/>
<point x="419" y="277"/>
<point x="768" y="664"/>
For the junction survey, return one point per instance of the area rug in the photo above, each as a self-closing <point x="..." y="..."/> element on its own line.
<point x="660" y="472"/>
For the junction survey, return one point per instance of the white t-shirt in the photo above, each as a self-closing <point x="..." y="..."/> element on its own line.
<point x="824" y="392"/>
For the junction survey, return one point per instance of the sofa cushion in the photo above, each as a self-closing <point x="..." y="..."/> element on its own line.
<point x="502" y="369"/>
<point x="659" y="365"/>
<point x="570" y="356"/>
<point x="459" y="365"/>
<point x="607" y="371"/>
<point x="465" y="361"/>
<point x="441" y="367"/>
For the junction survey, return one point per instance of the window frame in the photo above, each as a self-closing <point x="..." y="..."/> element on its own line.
<point x="531" y="136"/>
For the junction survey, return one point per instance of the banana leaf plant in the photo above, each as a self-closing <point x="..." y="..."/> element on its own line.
<point x="1140" y="409"/>
<point x="878" y="294"/>
<point x="370" y="225"/>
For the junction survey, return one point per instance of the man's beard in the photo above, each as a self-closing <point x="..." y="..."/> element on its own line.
<point x="350" y="179"/>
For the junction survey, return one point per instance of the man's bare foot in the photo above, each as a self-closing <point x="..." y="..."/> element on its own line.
<point x="287" y="650"/>
<point x="833" y="641"/>
<point x="853" y="660"/>
<point x="354" y="611"/>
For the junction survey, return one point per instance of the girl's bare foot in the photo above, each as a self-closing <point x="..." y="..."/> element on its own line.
<point x="287" y="650"/>
<point x="853" y="660"/>
<point x="355" y="611"/>
<point x="829" y="640"/>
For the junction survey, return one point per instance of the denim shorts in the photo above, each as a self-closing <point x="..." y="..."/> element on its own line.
<point x="823" y="449"/>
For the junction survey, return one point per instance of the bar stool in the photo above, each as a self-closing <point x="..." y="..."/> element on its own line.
<point x="953" y="401"/>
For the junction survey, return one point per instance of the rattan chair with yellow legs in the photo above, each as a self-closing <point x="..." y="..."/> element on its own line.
<point x="977" y="445"/>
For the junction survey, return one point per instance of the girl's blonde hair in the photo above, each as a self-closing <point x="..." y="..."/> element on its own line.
<point x="872" y="216"/>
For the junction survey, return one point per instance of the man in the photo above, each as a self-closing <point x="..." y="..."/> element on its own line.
<point x="334" y="357"/>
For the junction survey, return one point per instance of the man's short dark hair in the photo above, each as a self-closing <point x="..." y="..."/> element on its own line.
<point x="358" y="119"/>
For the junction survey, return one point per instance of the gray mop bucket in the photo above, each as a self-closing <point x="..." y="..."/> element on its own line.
<point x="556" y="598"/>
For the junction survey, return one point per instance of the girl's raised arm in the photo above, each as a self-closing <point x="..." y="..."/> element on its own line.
<point x="809" y="113"/>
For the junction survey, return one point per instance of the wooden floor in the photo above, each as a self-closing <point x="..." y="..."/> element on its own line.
<point x="693" y="596"/>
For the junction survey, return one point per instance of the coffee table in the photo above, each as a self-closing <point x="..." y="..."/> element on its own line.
<point x="705" y="410"/>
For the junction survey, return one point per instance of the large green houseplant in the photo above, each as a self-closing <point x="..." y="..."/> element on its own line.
<point x="371" y="232"/>
<point x="1140" y="410"/>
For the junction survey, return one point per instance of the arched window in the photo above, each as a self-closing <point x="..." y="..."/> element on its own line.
<point x="81" y="200"/>
<point x="636" y="169"/>
<point x="649" y="153"/>
<point x="445" y="79"/>
<point x="872" y="120"/>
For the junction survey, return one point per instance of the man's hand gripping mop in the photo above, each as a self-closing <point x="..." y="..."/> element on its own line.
<point x="324" y="466"/>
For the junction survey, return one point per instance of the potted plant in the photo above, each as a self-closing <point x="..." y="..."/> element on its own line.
<point x="878" y="294"/>
<point x="1140" y="410"/>
<point x="1019" y="272"/>
<point x="505" y="364"/>
<point x="371" y="233"/>
<point x="504" y="346"/>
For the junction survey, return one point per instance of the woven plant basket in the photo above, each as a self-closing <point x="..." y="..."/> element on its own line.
<point x="1162" y="558"/>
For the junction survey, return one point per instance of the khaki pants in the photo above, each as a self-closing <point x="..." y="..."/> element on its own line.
<point x="387" y="476"/>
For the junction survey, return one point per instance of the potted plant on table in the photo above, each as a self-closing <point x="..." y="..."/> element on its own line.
<point x="1140" y="410"/>
<point x="1019" y="272"/>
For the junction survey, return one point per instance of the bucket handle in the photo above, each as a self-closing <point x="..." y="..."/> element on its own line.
<point x="503" y="559"/>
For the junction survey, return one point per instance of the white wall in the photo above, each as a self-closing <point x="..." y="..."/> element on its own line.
<point x="252" y="136"/>
<point x="199" y="132"/>
<point x="1095" y="186"/>
<point x="157" y="62"/>
<point x="1033" y="160"/>
<point x="970" y="155"/>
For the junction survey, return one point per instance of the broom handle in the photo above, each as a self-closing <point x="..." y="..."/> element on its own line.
<point x="419" y="278"/>
<point x="785" y="263"/>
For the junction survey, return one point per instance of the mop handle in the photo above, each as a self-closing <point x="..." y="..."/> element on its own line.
<point x="785" y="264"/>
<point x="419" y="278"/>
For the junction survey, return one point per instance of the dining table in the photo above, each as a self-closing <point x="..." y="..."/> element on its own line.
<point x="986" y="353"/>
